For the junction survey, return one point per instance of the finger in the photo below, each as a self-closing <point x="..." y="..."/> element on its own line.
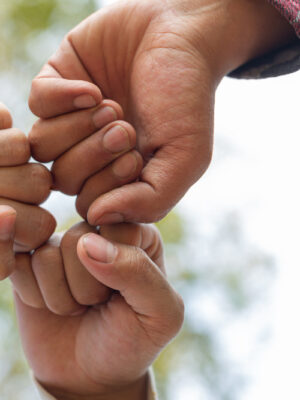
<point x="91" y="155"/>
<point x="162" y="183"/>
<point x="49" y="138"/>
<point x="7" y="229"/>
<point x="144" y="236"/>
<point x="34" y="225"/>
<point x="48" y="269"/>
<point x="141" y="283"/>
<point x="14" y="147"/>
<point x="25" y="284"/>
<point x="85" y="289"/>
<point x="29" y="183"/>
<point x="51" y="95"/>
<point x="5" y="117"/>
<point x="123" y="170"/>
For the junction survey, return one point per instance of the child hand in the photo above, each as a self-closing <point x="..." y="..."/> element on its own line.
<point x="101" y="351"/>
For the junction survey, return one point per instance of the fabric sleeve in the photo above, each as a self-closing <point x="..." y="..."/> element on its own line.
<point x="151" y="392"/>
<point x="290" y="9"/>
<point x="282" y="61"/>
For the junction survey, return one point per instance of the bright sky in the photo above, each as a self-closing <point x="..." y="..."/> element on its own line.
<point x="259" y="122"/>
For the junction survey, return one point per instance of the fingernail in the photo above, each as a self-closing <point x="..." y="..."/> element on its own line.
<point x="85" y="101"/>
<point x="103" y="116"/>
<point x="112" y="218"/>
<point x="99" y="249"/>
<point x="116" y="139"/>
<point x="7" y="223"/>
<point x="125" y="166"/>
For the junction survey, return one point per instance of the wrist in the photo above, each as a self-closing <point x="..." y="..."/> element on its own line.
<point x="254" y="28"/>
<point x="133" y="391"/>
<point x="232" y="32"/>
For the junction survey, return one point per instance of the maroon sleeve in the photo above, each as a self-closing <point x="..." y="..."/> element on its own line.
<point x="290" y="9"/>
<point x="281" y="61"/>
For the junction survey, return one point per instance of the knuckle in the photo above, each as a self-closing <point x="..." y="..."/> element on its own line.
<point x="44" y="226"/>
<point x="62" y="310"/>
<point x="7" y="265"/>
<point x="207" y="159"/>
<point x="90" y="299"/>
<point x="32" y="300"/>
<point x="48" y="253"/>
<point x="34" y="96"/>
<point x="71" y="237"/>
<point x="16" y="147"/>
<point x="136" y="265"/>
<point x="84" y="298"/>
<point x="81" y="205"/>
<point x="62" y="179"/>
<point x="155" y="215"/>
<point x="34" y="138"/>
<point x="177" y="315"/>
<point x="181" y="310"/>
<point x="41" y="180"/>
<point x="136" y="258"/>
<point x="5" y="118"/>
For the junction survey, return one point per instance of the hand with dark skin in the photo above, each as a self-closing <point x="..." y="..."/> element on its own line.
<point x="160" y="62"/>
<point x="100" y="352"/>
<point x="24" y="225"/>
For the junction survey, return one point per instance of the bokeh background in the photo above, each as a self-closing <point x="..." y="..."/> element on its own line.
<point x="231" y="244"/>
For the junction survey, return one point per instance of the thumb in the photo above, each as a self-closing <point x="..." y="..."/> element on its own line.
<point x="7" y="230"/>
<point x="140" y="282"/>
<point x="162" y="183"/>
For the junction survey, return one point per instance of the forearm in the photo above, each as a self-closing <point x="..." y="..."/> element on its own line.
<point x="257" y="28"/>
<point x="236" y="31"/>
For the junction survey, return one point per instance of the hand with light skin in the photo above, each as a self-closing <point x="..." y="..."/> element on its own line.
<point x="160" y="62"/>
<point x="100" y="352"/>
<point x="24" y="225"/>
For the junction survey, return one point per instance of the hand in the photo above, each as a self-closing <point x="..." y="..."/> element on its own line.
<point x="23" y="225"/>
<point x="104" y="351"/>
<point x="161" y="61"/>
<point x="101" y="157"/>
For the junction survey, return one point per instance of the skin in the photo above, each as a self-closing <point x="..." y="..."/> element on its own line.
<point x="161" y="62"/>
<point x="107" y="348"/>
<point x="24" y="226"/>
<point x="162" y="73"/>
<point x="23" y="186"/>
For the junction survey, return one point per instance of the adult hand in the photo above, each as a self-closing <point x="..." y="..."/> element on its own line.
<point x="161" y="61"/>
<point x="23" y="225"/>
<point x="104" y="351"/>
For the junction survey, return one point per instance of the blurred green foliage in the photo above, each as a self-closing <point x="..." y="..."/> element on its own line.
<point x="24" y="21"/>
<point x="220" y="272"/>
